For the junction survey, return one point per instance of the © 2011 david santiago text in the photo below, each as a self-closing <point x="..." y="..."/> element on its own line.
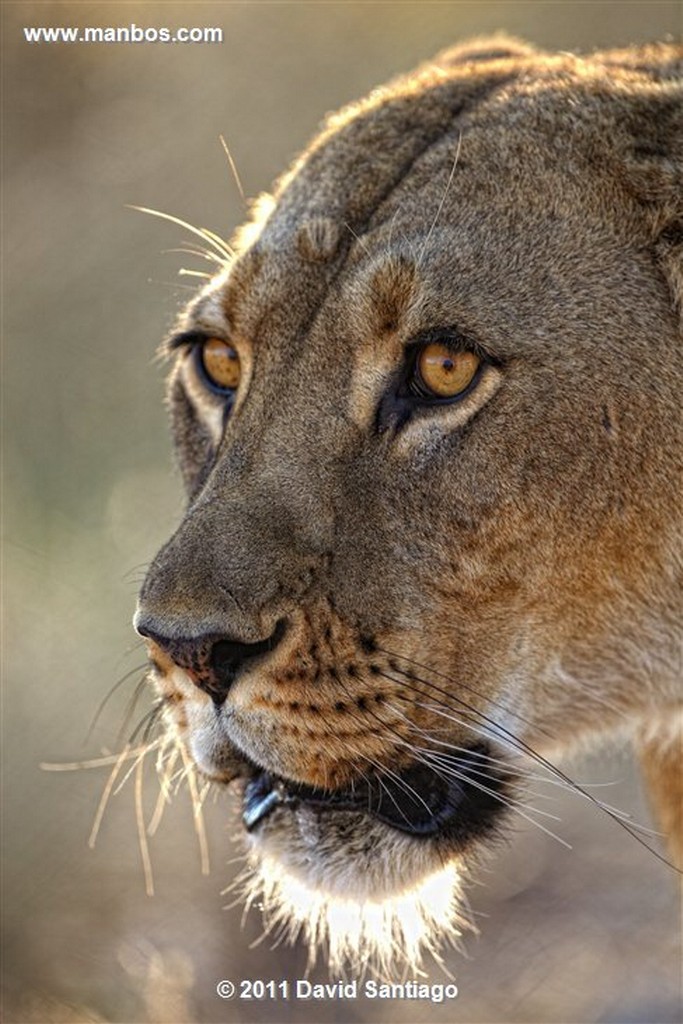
<point x="303" y="989"/>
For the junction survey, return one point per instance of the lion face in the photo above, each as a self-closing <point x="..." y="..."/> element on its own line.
<point x="425" y="421"/>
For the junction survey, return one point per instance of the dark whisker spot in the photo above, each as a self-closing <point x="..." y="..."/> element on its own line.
<point x="368" y="644"/>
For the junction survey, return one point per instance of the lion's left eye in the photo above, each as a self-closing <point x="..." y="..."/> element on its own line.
<point x="439" y="372"/>
<point x="220" y="364"/>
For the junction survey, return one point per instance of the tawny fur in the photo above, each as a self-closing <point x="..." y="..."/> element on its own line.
<point x="522" y="545"/>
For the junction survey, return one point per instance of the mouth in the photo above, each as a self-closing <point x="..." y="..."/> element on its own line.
<point x="420" y="801"/>
<point x="373" y="871"/>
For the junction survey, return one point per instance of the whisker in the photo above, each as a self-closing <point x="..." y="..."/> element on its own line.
<point x="141" y="756"/>
<point x="163" y="773"/>
<point x="384" y="725"/>
<point x="173" y="284"/>
<point x="233" y="168"/>
<point x="524" y="747"/>
<point x="479" y="754"/>
<point x="402" y="784"/>
<point x="106" y="794"/>
<point x="142" y="834"/>
<point x="221" y="247"/>
<point x="384" y="769"/>
<point x="135" y="568"/>
<point x="184" y="272"/>
<point x="443" y="200"/>
<point x="148" y="717"/>
<point x="130" y="709"/>
<point x="356" y="753"/>
<point x="450" y="768"/>
<point x="513" y="805"/>
<point x="550" y="781"/>
<point x="519" y="770"/>
<point x="95" y="762"/>
<point x="357" y="237"/>
<point x="134" y="646"/>
<point x="105" y="700"/>
<point x="154" y="720"/>
<point x="190" y="250"/>
<point x="197" y="815"/>
<point x="220" y="244"/>
<point x="465" y="686"/>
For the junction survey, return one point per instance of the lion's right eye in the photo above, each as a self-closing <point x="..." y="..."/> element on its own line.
<point x="220" y="364"/>
<point x="442" y="373"/>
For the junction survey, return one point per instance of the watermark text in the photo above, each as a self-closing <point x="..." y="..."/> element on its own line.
<point x="257" y="989"/>
<point x="121" y="34"/>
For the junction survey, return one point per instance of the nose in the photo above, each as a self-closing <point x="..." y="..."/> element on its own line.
<point x="213" y="661"/>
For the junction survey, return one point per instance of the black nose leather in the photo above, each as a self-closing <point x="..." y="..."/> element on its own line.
<point x="212" y="661"/>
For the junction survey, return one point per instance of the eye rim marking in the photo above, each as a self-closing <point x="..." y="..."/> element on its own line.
<point x="408" y="401"/>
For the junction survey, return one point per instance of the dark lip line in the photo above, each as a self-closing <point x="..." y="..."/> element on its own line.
<point x="421" y="802"/>
<point x="283" y="792"/>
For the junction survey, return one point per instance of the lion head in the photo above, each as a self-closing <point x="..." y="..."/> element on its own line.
<point x="429" y="421"/>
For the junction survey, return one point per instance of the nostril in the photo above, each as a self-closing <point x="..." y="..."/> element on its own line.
<point x="213" y="660"/>
<point x="142" y="628"/>
<point x="229" y="656"/>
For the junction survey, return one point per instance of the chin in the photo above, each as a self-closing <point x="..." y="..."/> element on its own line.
<point x="371" y="876"/>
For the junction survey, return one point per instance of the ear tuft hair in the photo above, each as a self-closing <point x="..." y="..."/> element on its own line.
<point x="483" y="49"/>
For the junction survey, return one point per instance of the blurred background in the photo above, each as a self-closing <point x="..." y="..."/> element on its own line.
<point x="89" y="288"/>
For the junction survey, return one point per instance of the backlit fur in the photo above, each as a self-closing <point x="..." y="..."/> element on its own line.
<point x="506" y="567"/>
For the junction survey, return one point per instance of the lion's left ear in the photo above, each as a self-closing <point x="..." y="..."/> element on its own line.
<point x="651" y="162"/>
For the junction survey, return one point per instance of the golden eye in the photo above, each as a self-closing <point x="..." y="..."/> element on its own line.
<point x="221" y="364"/>
<point x="443" y="373"/>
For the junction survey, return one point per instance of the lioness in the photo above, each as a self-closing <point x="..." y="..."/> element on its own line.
<point x="429" y="421"/>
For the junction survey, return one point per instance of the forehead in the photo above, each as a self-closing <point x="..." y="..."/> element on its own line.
<point x="491" y="201"/>
<point x="509" y="275"/>
<point x="437" y="140"/>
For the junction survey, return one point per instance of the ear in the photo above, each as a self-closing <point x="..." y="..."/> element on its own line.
<point x="484" y="48"/>
<point x="651" y="161"/>
<point x="659" y="61"/>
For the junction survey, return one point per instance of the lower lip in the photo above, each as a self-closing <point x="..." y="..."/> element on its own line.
<point x="419" y="803"/>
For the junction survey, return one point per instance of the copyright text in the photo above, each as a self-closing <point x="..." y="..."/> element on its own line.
<point x="302" y="989"/>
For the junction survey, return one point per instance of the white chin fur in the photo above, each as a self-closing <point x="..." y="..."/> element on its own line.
<point x="362" y="895"/>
